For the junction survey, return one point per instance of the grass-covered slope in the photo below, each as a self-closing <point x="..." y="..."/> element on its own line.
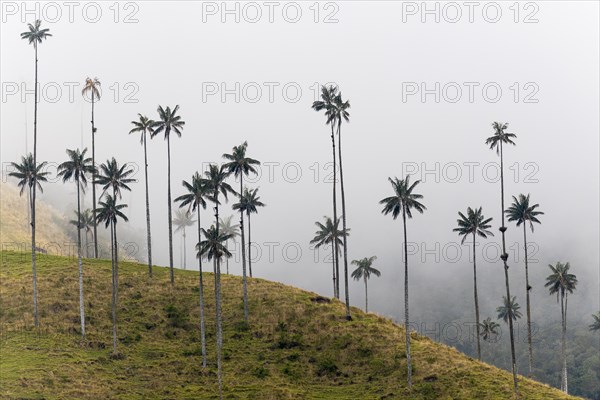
<point x="294" y="348"/>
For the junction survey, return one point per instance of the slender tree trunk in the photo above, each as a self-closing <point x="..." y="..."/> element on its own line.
<point x="81" y="304"/>
<point x="114" y="288"/>
<point x="366" y="296"/>
<point x="169" y="207"/>
<point x="244" y="279"/>
<point x="504" y="259"/>
<point x="333" y="269"/>
<point x="147" y="209"/>
<point x="94" y="178"/>
<point x="476" y="300"/>
<point x="87" y="250"/>
<point x="406" y="324"/>
<point x="347" y="293"/>
<point x="528" y="303"/>
<point x="184" y="250"/>
<point x="202" y="324"/>
<point x="336" y="257"/>
<point x="564" y="345"/>
<point x="36" y="321"/>
<point x="218" y="305"/>
<point x="227" y="261"/>
<point x="249" y="244"/>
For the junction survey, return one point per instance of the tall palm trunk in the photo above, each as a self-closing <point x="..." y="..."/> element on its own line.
<point x="564" y="383"/>
<point x="202" y="324"/>
<point x="249" y="244"/>
<point x="94" y="178"/>
<point x="406" y="326"/>
<point x="528" y="303"/>
<point x="184" y="250"/>
<point x="504" y="259"/>
<point x="81" y="304"/>
<point x="336" y="278"/>
<point x="33" y="193"/>
<point x="147" y="210"/>
<point x="347" y="294"/>
<point x="218" y="304"/>
<point x="476" y="300"/>
<point x="366" y="296"/>
<point x="333" y="269"/>
<point x="244" y="279"/>
<point x="114" y="291"/>
<point x="169" y="207"/>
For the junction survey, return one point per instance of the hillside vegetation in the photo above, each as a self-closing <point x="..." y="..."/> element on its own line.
<point x="297" y="346"/>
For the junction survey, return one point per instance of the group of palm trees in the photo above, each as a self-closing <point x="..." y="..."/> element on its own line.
<point x="212" y="243"/>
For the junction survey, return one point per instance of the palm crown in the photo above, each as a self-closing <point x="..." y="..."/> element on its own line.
<point x="115" y="177"/>
<point x="473" y="223"/>
<point x="227" y="226"/>
<point x="27" y="174"/>
<point x="329" y="233"/>
<point x="238" y="162"/>
<point x="77" y="167"/>
<point x="85" y="220"/>
<point x="197" y="191"/>
<point x="489" y="329"/>
<point x="560" y="281"/>
<point x="404" y="200"/>
<point x="509" y="309"/>
<point x="183" y="219"/>
<point x="249" y="201"/>
<point x="92" y="86"/>
<point x="521" y="211"/>
<point x="168" y="122"/>
<point x="327" y="103"/>
<point x="341" y="109"/>
<point x="35" y="35"/>
<point x="364" y="269"/>
<point x="109" y="211"/>
<point x="500" y="136"/>
<point x="595" y="326"/>
<point x="143" y="126"/>
<point x="213" y="246"/>
<point x="215" y="180"/>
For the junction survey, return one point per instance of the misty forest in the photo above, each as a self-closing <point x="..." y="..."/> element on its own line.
<point x="176" y="302"/>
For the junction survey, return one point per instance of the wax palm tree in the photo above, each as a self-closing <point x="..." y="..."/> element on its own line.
<point x="144" y="126"/>
<point x="92" y="87"/>
<point x="327" y="104"/>
<point x="182" y="220"/>
<point x="488" y="329"/>
<point x="522" y="212"/>
<point x="562" y="282"/>
<point x="109" y="212"/>
<point x="474" y="223"/>
<point x="509" y="309"/>
<point x="227" y="226"/>
<point x="115" y="177"/>
<point x="595" y="326"/>
<point x="342" y="114"/>
<point x="195" y="199"/>
<point x="330" y="234"/>
<point x="364" y="271"/>
<point x="78" y="167"/>
<point x="495" y="142"/>
<point x="169" y="121"/>
<point x="403" y="202"/>
<point x="35" y="35"/>
<point x="249" y="201"/>
<point x="215" y="179"/>
<point x="86" y="222"/>
<point x="30" y="175"/>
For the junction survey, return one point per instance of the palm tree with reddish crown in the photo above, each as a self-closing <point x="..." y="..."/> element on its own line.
<point x="168" y="121"/>
<point x="92" y="86"/>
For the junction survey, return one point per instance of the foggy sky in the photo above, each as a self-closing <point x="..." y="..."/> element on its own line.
<point x="170" y="56"/>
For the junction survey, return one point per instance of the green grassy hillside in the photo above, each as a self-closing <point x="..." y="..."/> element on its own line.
<point x="294" y="348"/>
